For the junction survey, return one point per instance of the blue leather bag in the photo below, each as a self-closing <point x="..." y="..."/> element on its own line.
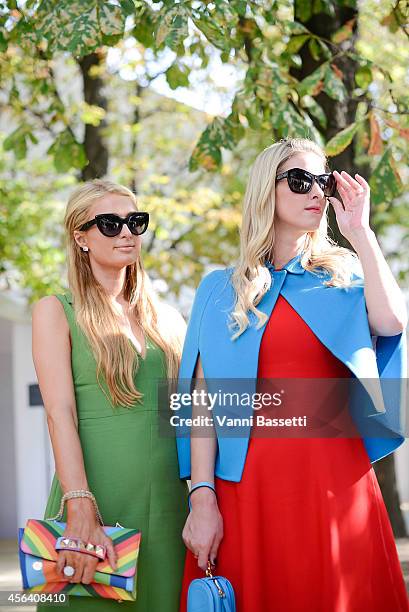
<point x="211" y="594"/>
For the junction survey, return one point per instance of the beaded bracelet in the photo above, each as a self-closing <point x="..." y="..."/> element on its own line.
<point x="74" y="495"/>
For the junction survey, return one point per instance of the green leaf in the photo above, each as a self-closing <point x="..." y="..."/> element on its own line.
<point x="294" y="27"/>
<point x="323" y="6"/>
<point x="213" y="33"/>
<point x="20" y="148"/>
<point x="128" y="7"/>
<point x="340" y="141"/>
<point x="17" y="141"/>
<point x="300" y="126"/>
<point x="173" y="26"/>
<point x="177" y="76"/>
<point x="225" y="56"/>
<point x="255" y="120"/>
<point x="311" y="84"/>
<point x="295" y="43"/>
<point x="144" y="28"/>
<point x="69" y="26"/>
<point x="9" y="141"/>
<point x="110" y="40"/>
<point x="304" y="10"/>
<point x="363" y="77"/>
<point x="344" y="33"/>
<point x="3" y="43"/>
<point x="240" y="7"/>
<point x="92" y="114"/>
<point x="333" y="86"/>
<point x="67" y="152"/>
<point x="235" y="129"/>
<point x="33" y="138"/>
<point x="78" y="26"/>
<point x="393" y="20"/>
<point x="385" y="182"/>
<point x="111" y="19"/>
<point x="220" y="133"/>
<point x="326" y="52"/>
<point x="315" y="110"/>
<point x="314" y="49"/>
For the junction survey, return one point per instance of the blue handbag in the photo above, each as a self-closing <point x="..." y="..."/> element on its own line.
<point x="211" y="594"/>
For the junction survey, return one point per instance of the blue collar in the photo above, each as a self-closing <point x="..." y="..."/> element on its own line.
<point x="294" y="265"/>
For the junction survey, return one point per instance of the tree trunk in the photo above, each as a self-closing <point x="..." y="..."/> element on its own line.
<point x="95" y="148"/>
<point x="339" y="115"/>
<point x="139" y="90"/>
<point x="385" y="472"/>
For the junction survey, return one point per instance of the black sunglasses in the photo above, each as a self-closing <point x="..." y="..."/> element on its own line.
<point x="301" y="181"/>
<point x="111" y="225"/>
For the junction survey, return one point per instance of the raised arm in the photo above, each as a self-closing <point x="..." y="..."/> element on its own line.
<point x="387" y="314"/>
<point x="384" y="299"/>
<point x="52" y="361"/>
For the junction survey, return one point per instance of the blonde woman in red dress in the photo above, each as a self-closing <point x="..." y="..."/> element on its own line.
<point x="304" y="526"/>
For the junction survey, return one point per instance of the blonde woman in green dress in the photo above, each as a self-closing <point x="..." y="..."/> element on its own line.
<point x="99" y="351"/>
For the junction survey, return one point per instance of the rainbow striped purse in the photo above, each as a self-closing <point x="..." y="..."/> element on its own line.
<point x="38" y="559"/>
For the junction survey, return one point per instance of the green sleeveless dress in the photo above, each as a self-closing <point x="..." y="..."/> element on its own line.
<point x="133" y="473"/>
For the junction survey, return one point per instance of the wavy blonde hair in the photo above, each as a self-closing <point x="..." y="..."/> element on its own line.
<point x="116" y="357"/>
<point x="251" y="279"/>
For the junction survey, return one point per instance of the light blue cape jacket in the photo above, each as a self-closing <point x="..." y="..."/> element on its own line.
<point x="337" y="316"/>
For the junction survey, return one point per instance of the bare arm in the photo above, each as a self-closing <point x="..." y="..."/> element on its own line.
<point x="203" y="531"/>
<point x="52" y="361"/>
<point x="385" y="302"/>
<point x="203" y="447"/>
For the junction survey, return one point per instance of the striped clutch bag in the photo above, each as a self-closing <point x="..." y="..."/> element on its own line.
<point x="38" y="559"/>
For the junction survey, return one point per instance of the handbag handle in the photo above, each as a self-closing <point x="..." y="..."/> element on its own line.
<point x="223" y="597"/>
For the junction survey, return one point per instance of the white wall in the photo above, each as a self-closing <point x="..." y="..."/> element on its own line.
<point x="8" y="497"/>
<point x="31" y="437"/>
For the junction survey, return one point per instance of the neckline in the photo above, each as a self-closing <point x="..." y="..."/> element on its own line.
<point x="147" y="340"/>
<point x="293" y="265"/>
<point x="147" y="347"/>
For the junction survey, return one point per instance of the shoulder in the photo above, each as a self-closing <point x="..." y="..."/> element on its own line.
<point x="204" y="291"/>
<point x="49" y="304"/>
<point x="49" y="310"/>
<point x="216" y="278"/>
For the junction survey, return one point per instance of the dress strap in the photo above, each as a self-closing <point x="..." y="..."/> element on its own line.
<point x="66" y="301"/>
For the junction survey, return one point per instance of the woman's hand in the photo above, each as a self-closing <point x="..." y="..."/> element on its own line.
<point x="385" y="302"/>
<point x="353" y="213"/>
<point x="82" y="523"/>
<point x="203" y="529"/>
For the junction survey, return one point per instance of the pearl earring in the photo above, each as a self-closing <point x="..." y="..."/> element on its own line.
<point x="85" y="249"/>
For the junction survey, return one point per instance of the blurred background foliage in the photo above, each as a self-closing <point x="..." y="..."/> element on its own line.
<point x="78" y="100"/>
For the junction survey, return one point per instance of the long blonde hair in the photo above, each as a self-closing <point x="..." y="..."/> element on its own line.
<point x="117" y="360"/>
<point x="250" y="278"/>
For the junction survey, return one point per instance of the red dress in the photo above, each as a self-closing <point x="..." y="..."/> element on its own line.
<point x="306" y="528"/>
